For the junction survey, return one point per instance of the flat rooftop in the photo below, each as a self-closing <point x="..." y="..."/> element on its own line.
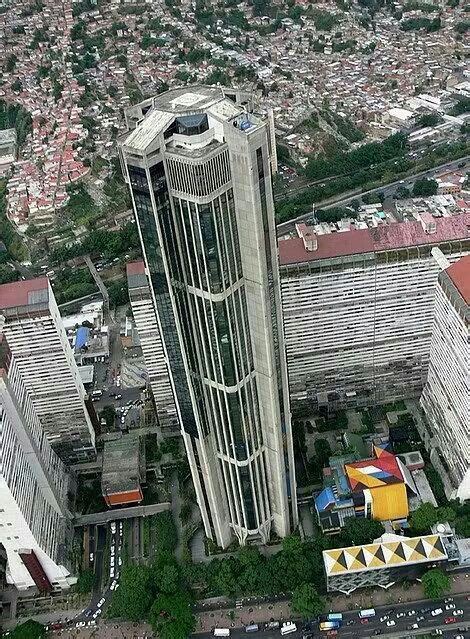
<point x="459" y="273"/>
<point x="136" y="276"/>
<point x="24" y="293"/>
<point x="121" y="464"/>
<point x="373" y="240"/>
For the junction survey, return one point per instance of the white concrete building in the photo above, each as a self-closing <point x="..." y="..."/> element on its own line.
<point x="146" y="322"/>
<point x="37" y="338"/>
<point x="34" y="522"/>
<point x="198" y="165"/>
<point x="358" y="309"/>
<point x="446" y="396"/>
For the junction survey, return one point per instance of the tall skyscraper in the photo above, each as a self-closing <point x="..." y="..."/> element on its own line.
<point x="34" y="521"/>
<point x="198" y="166"/>
<point x="37" y="338"/>
<point x="446" y="396"/>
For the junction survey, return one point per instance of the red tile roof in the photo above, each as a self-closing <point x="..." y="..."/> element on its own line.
<point x="384" y="237"/>
<point x="459" y="273"/>
<point x="17" y="293"/>
<point x="135" y="268"/>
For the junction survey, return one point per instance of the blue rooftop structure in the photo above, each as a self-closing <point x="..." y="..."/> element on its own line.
<point x="324" y="500"/>
<point x="83" y="335"/>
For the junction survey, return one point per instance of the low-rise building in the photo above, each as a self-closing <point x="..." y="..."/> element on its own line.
<point x="382" y="563"/>
<point x="8" y="144"/>
<point x="123" y="470"/>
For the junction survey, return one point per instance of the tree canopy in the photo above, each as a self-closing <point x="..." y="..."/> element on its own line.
<point x="424" y="188"/>
<point x="171" y="616"/>
<point x="306" y="601"/>
<point x="435" y="583"/>
<point x="28" y="630"/>
<point x="360" y="531"/>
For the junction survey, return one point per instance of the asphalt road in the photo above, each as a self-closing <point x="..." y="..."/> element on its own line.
<point x="408" y="614"/>
<point x="388" y="190"/>
<point x="100" y="600"/>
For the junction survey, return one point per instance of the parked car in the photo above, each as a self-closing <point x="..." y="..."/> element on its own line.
<point x="391" y="622"/>
<point x="450" y="620"/>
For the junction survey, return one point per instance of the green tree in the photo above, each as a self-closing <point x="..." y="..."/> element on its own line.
<point x="11" y="63"/>
<point x="423" y="518"/>
<point x="108" y="413"/>
<point x="169" y="579"/>
<point x="134" y="597"/>
<point x="428" y="119"/>
<point x="306" y="601"/>
<point x="85" y="582"/>
<point x="171" y="616"/>
<point x="424" y="188"/>
<point x="323" y="451"/>
<point x="361" y="531"/>
<point x="28" y="630"/>
<point x="435" y="583"/>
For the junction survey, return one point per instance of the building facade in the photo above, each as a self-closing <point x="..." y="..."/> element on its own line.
<point x="198" y="166"/>
<point x="446" y="396"/>
<point x="34" y="521"/>
<point x="146" y="322"/>
<point x="357" y="309"/>
<point x="37" y="338"/>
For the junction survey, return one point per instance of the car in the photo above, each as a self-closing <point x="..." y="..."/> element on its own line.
<point x="120" y="525"/>
<point x="438" y="631"/>
<point x="377" y="631"/>
<point x="351" y="622"/>
<point x="412" y="626"/>
<point x="448" y="599"/>
<point x="411" y="613"/>
<point x="88" y="613"/>
<point x="364" y="621"/>
<point x="436" y="611"/>
<point x="113" y="550"/>
<point x="425" y="610"/>
<point x="111" y="572"/>
<point x="420" y="618"/>
<point x="112" y="562"/>
<point x="399" y="615"/>
<point x="450" y="606"/>
<point x="450" y="620"/>
<point x="460" y="165"/>
<point x="391" y="622"/>
<point x="384" y="618"/>
<point x="101" y="602"/>
<point x="80" y="624"/>
<point x="119" y="396"/>
<point x="458" y="613"/>
<point x="92" y="556"/>
<point x="96" y="614"/>
<point x="119" y="561"/>
<point x="459" y="637"/>
<point x="113" y="527"/>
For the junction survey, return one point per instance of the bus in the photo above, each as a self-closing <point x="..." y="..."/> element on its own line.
<point x="287" y="628"/>
<point x="329" y="625"/>
<point x="365" y="614"/>
<point x="221" y="632"/>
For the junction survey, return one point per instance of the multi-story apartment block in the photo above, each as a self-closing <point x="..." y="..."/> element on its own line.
<point x="198" y="166"/>
<point x="146" y="321"/>
<point x="446" y="396"/>
<point x="358" y="308"/>
<point x="37" y="338"/>
<point x="34" y="521"/>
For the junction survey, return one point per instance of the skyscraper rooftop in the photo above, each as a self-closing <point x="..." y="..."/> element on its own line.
<point x="459" y="273"/>
<point x="24" y="293"/>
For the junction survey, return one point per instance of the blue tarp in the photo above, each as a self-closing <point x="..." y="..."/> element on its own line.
<point x="83" y="334"/>
<point x="326" y="499"/>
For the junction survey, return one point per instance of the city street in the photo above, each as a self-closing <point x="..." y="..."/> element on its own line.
<point x="388" y="190"/>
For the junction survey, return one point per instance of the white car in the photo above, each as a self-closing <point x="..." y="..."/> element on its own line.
<point x="101" y="602"/>
<point x="458" y="613"/>
<point x="411" y="613"/>
<point x="120" y="525"/>
<point x="113" y="550"/>
<point x="120" y="561"/>
<point x="111" y="572"/>
<point x="391" y="622"/>
<point x="450" y="606"/>
<point x="112" y="562"/>
<point x="384" y="618"/>
<point x="80" y="624"/>
<point x="436" y="611"/>
<point x="400" y="615"/>
<point x="113" y="527"/>
<point x="113" y="585"/>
